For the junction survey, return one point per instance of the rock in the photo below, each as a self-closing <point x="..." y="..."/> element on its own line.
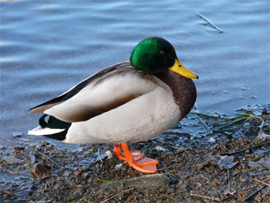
<point x="182" y="190"/>
<point x="39" y="169"/>
<point x="146" y="181"/>
<point x="109" y="154"/>
<point x="85" y="175"/>
<point x="13" y="160"/>
<point x="159" y="149"/>
<point x="81" y="149"/>
<point x="118" y="166"/>
<point x="235" y="173"/>
<point x="264" y="111"/>
<point x="13" y="173"/>
<point x="17" y="134"/>
<point x="27" y="165"/>
<point x="180" y="150"/>
<point x="66" y="173"/>
<point x="212" y="140"/>
<point x="204" y="164"/>
<point x="226" y="162"/>
<point x="81" y="189"/>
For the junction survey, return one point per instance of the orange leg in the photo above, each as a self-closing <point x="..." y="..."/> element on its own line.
<point x="136" y="160"/>
<point x="117" y="151"/>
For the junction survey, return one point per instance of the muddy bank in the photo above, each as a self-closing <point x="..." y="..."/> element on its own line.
<point x="229" y="163"/>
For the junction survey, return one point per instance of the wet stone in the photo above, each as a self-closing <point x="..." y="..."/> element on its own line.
<point x="16" y="134"/>
<point x="180" y="150"/>
<point x="38" y="146"/>
<point x="159" y="148"/>
<point x="182" y="190"/>
<point x="85" y="175"/>
<point x="66" y="173"/>
<point x="39" y="169"/>
<point x="81" y="189"/>
<point x="13" y="160"/>
<point x="118" y="166"/>
<point x="145" y="181"/>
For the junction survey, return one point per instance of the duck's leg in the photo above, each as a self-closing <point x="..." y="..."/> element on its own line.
<point x="142" y="164"/>
<point x="117" y="151"/>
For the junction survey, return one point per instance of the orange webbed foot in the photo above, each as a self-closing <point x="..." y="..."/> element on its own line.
<point x="135" y="159"/>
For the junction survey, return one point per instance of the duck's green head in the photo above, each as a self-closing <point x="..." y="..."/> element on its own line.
<point x="155" y="54"/>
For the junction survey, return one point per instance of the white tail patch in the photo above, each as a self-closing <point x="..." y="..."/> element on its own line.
<point x="44" y="131"/>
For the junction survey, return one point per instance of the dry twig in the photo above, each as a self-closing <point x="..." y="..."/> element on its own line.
<point x="22" y="139"/>
<point x="47" y="157"/>
<point x="208" y="131"/>
<point x="243" y="150"/>
<point x="205" y="197"/>
<point x="113" y="196"/>
<point x="264" y="183"/>
<point x="254" y="193"/>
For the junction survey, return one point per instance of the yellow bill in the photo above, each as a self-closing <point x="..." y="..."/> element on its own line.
<point x="181" y="70"/>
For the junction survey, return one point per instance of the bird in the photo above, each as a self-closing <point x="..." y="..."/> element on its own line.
<point x="128" y="102"/>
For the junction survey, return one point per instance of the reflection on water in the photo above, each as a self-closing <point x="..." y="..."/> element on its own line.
<point x="49" y="46"/>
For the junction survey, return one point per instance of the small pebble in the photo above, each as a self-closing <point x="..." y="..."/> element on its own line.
<point x="212" y="140"/>
<point x="236" y="173"/>
<point x="39" y="168"/>
<point x="66" y="173"/>
<point x="13" y="160"/>
<point x="81" y="149"/>
<point x="182" y="190"/>
<point x="118" y="166"/>
<point x="27" y="165"/>
<point x="264" y="111"/>
<point x="16" y="134"/>
<point x="13" y="173"/>
<point x="180" y="150"/>
<point x="159" y="148"/>
<point x="38" y="146"/>
<point x="81" y="189"/>
<point x="247" y="151"/>
<point x="85" y="175"/>
<point x="243" y="180"/>
<point x="109" y="154"/>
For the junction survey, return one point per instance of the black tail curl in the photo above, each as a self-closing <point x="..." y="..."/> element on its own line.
<point x="54" y="123"/>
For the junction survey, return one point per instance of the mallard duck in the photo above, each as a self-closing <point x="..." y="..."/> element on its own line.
<point x="125" y="103"/>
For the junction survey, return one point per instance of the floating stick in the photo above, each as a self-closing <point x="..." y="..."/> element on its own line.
<point x="214" y="26"/>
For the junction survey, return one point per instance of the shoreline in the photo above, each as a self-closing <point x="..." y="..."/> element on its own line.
<point x="224" y="166"/>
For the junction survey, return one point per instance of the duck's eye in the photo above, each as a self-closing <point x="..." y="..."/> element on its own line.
<point x="162" y="53"/>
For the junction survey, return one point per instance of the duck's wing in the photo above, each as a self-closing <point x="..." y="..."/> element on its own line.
<point x="74" y="90"/>
<point x="102" y="92"/>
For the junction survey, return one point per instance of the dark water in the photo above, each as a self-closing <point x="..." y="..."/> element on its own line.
<point x="49" y="46"/>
